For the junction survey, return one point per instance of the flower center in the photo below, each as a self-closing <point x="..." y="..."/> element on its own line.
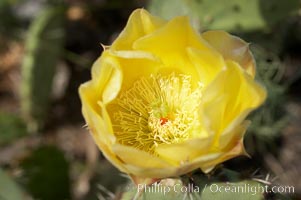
<point x="157" y="110"/>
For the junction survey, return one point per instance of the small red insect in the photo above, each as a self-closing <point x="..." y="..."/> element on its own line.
<point x="163" y="120"/>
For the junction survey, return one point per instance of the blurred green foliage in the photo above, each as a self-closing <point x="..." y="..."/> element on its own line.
<point x="9" y="22"/>
<point x="12" y="127"/>
<point x="268" y="121"/>
<point x="46" y="174"/>
<point x="230" y="15"/>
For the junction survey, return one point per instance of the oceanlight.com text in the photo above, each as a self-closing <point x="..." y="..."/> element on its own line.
<point x="250" y="189"/>
<point x="246" y="188"/>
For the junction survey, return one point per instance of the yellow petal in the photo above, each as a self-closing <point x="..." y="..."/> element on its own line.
<point x="140" y="23"/>
<point x="99" y="127"/>
<point x="171" y="171"/>
<point x="138" y="158"/>
<point x="207" y="63"/>
<point x="184" y="152"/>
<point x="232" y="48"/>
<point x="106" y="78"/>
<point x="134" y="65"/>
<point x="240" y="95"/>
<point x="198" y="153"/>
<point x="118" y="70"/>
<point x="133" y="54"/>
<point x="142" y="173"/>
<point x="169" y="43"/>
<point x="232" y="135"/>
<point x="238" y="149"/>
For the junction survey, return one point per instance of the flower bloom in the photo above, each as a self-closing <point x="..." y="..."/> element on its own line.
<point x="165" y="100"/>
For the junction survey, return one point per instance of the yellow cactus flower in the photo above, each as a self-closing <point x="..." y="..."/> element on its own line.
<point x="164" y="100"/>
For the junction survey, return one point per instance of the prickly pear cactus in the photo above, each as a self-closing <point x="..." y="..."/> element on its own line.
<point x="44" y="47"/>
<point x="198" y="187"/>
